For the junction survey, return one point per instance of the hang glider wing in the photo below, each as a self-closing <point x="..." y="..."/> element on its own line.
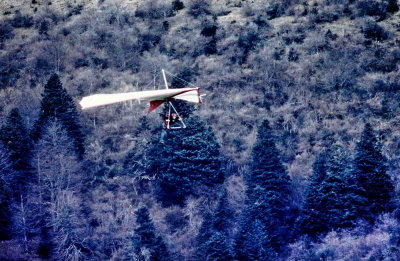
<point x="156" y="97"/>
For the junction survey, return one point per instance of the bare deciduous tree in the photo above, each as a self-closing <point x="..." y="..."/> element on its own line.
<point x="59" y="181"/>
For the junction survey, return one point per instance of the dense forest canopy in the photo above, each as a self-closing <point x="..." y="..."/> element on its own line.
<point x="293" y="155"/>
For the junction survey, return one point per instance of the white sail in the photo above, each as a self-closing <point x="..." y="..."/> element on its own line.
<point x="186" y="94"/>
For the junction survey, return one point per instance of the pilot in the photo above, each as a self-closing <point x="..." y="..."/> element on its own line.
<point x="165" y="126"/>
<point x="174" y="119"/>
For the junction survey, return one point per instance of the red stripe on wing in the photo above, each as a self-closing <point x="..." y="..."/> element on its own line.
<point x="154" y="105"/>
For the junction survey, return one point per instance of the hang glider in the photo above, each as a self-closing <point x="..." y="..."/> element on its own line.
<point x="155" y="97"/>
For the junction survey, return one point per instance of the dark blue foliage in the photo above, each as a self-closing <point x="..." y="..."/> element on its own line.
<point x="58" y="104"/>
<point x="46" y="246"/>
<point x="370" y="170"/>
<point x="213" y="239"/>
<point x="5" y="195"/>
<point x="6" y="31"/>
<point x="10" y="65"/>
<point x="145" y="237"/>
<point x="188" y="163"/>
<point x="177" y="5"/>
<point x="16" y="140"/>
<point x="333" y="200"/>
<point x="268" y="204"/>
<point x="216" y="248"/>
<point x="253" y="242"/>
<point x="22" y="21"/>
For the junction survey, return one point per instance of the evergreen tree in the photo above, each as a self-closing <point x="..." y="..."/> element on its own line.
<point x="5" y="212"/>
<point x="215" y="248"/>
<point x="340" y="193"/>
<point x="253" y="242"/>
<point x="58" y="104"/>
<point x="212" y="241"/>
<point x="146" y="245"/>
<point x="5" y="195"/>
<point x="393" y="7"/>
<point x="311" y="221"/>
<point x="333" y="199"/>
<point x="46" y="244"/>
<point x="223" y="214"/>
<point x="16" y="139"/>
<point x="269" y="190"/>
<point x="370" y="170"/>
<point x="146" y="162"/>
<point x="189" y="163"/>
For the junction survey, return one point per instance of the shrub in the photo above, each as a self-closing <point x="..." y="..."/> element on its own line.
<point x="248" y="39"/>
<point x="153" y="10"/>
<point x="177" y="5"/>
<point x="9" y="71"/>
<point x="372" y="8"/>
<point x="393" y="7"/>
<point x="149" y="40"/>
<point x="326" y="16"/>
<point x="6" y="31"/>
<point x="260" y="21"/>
<point x="293" y="35"/>
<point x="11" y="250"/>
<point x="43" y="25"/>
<point x="248" y="10"/>
<point x="372" y="30"/>
<point x="380" y="60"/>
<point x="176" y="220"/>
<point x="276" y="9"/>
<point x="209" y="30"/>
<point x="197" y="8"/>
<point x="386" y="86"/>
<point x="100" y="62"/>
<point x="75" y="10"/>
<point x="293" y="56"/>
<point x="22" y="21"/>
<point x="211" y="47"/>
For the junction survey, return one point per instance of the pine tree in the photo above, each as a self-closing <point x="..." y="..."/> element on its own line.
<point x="46" y="244"/>
<point x="190" y="163"/>
<point x="58" y="104"/>
<point x="339" y="190"/>
<point x="146" y="164"/>
<point x="269" y="189"/>
<point x="253" y="242"/>
<point x="5" y="195"/>
<point x="212" y="241"/>
<point x="370" y="170"/>
<point x="5" y="213"/>
<point x="16" y="139"/>
<point x="223" y="214"/>
<point x="215" y="248"/>
<point x="333" y="188"/>
<point x="311" y="221"/>
<point x="333" y="199"/>
<point x="392" y="7"/>
<point x="145" y="241"/>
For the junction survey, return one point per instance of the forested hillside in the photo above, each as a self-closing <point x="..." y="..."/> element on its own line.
<point x="294" y="153"/>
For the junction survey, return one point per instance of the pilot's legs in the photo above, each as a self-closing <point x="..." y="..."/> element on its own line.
<point x="163" y="135"/>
